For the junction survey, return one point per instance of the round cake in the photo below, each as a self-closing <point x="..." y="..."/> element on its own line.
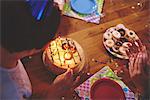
<point x="64" y="53"/>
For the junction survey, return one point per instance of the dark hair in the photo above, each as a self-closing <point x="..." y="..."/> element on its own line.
<point x="20" y="31"/>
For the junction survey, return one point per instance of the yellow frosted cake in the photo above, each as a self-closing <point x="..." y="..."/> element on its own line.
<point x="64" y="53"/>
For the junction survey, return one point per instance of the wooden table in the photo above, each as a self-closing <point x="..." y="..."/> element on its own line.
<point x="89" y="36"/>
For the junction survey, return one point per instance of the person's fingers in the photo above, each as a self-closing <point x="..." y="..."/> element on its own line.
<point x="145" y="55"/>
<point x="128" y="53"/>
<point x="125" y="69"/>
<point x="131" y="50"/>
<point x="145" y="52"/>
<point x="139" y="43"/>
<point x="76" y="80"/>
<point x="33" y="51"/>
<point x="135" y="47"/>
<point x="131" y="63"/>
<point x="143" y="62"/>
<point x="143" y="58"/>
<point x="138" y="63"/>
<point x="134" y="59"/>
<point x="130" y="70"/>
<point x="69" y="73"/>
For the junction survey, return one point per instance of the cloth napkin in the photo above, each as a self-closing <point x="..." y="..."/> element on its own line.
<point x="84" y="89"/>
<point x="93" y="18"/>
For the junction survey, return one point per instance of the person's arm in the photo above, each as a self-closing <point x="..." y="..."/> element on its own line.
<point x="63" y="84"/>
<point x="138" y="68"/>
<point x="48" y="91"/>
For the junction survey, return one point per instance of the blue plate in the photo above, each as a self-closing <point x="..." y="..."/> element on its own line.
<point x="84" y="6"/>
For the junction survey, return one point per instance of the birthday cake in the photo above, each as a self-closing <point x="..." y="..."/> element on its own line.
<point x="64" y="53"/>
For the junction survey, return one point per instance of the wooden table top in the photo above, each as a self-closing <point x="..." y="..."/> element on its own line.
<point x="89" y="36"/>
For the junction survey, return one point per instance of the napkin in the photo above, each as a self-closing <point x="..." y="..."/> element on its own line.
<point x="93" y="18"/>
<point x="84" y="89"/>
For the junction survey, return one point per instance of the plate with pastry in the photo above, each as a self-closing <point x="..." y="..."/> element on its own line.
<point x="118" y="39"/>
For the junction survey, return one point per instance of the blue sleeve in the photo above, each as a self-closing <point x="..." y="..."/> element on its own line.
<point x="40" y="8"/>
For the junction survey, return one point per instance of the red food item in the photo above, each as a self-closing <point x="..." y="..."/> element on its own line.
<point x="106" y="89"/>
<point x="65" y="46"/>
<point x="73" y="49"/>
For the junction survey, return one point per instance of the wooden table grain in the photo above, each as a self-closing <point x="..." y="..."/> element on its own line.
<point x="89" y="36"/>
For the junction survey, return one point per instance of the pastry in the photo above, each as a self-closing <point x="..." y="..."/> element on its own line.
<point x="124" y="39"/>
<point x="122" y="31"/>
<point x="115" y="48"/>
<point x="109" y="43"/>
<point x="108" y="35"/>
<point x="118" y="43"/>
<point x="127" y="44"/>
<point x="116" y="34"/>
<point x="122" y="50"/>
<point x="132" y="35"/>
<point x="111" y="29"/>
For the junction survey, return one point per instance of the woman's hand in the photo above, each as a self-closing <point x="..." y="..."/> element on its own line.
<point x="63" y="84"/>
<point x="66" y="80"/>
<point x="138" y="58"/>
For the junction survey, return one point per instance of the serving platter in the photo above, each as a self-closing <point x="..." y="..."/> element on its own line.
<point x="117" y="40"/>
